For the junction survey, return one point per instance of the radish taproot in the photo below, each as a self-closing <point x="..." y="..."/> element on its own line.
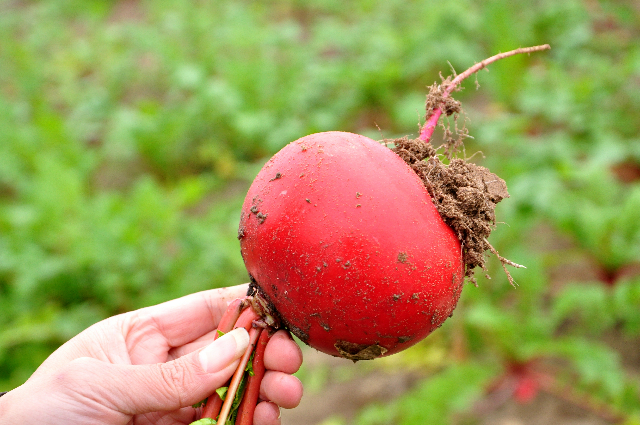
<point x="361" y="250"/>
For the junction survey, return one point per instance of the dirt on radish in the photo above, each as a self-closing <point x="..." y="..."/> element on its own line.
<point x="464" y="193"/>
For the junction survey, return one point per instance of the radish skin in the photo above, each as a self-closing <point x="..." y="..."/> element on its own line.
<point x="342" y="235"/>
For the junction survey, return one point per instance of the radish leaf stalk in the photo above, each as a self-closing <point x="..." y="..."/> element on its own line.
<point x="434" y="115"/>
<point x="254" y="333"/>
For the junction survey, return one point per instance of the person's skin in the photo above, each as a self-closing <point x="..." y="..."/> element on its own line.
<point x="149" y="366"/>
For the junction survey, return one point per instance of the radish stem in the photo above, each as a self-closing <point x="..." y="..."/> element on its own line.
<point x="250" y="398"/>
<point x="246" y="319"/>
<point x="254" y="333"/>
<point x="432" y="120"/>
<point x="231" y="315"/>
<point x="226" y="324"/>
<point x="213" y="406"/>
<point x="236" y="316"/>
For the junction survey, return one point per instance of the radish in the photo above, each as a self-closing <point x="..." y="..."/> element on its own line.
<point x="343" y="242"/>
<point x="361" y="250"/>
<point x="341" y="237"/>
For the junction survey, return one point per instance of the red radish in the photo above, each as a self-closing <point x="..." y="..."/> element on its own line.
<point x="343" y="237"/>
<point x="360" y="250"/>
<point x="344" y="244"/>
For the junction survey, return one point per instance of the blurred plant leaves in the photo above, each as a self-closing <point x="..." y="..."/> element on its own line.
<point x="130" y="131"/>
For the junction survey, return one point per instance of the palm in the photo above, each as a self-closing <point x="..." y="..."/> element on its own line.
<point x="141" y="342"/>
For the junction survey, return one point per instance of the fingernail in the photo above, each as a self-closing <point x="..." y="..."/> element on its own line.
<point x="224" y="350"/>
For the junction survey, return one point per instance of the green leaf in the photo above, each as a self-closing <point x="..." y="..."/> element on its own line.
<point x="222" y="392"/>
<point x="249" y="368"/>
<point x="204" y="421"/>
<point x="588" y="302"/>
<point x="452" y="390"/>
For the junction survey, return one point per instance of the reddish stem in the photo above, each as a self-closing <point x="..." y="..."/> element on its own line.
<point x="432" y="121"/>
<point x="252" y="393"/>
<point x="229" y="319"/>
<point x="231" y="315"/>
<point x="213" y="406"/>
<point x="236" y="316"/>
<point x="254" y="333"/>
<point x="246" y="319"/>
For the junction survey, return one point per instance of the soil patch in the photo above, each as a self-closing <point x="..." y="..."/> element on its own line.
<point x="464" y="193"/>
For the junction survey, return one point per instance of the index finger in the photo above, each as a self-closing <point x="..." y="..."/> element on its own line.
<point x="187" y="318"/>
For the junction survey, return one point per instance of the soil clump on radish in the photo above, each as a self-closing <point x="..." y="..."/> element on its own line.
<point x="465" y="194"/>
<point x="265" y="307"/>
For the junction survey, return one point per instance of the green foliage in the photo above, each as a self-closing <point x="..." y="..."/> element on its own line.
<point x="130" y="131"/>
<point x="434" y="400"/>
<point x="599" y="307"/>
<point x="204" y="421"/>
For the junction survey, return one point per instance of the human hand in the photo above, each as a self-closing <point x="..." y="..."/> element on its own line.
<point x="148" y="367"/>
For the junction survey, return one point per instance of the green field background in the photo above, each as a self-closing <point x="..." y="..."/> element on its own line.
<point x="130" y="131"/>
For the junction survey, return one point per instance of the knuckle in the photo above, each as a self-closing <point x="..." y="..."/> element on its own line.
<point x="81" y="370"/>
<point x="175" y="378"/>
<point x="74" y="370"/>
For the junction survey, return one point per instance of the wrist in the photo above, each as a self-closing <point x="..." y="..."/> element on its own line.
<point x="5" y="414"/>
<point x="11" y="408"/>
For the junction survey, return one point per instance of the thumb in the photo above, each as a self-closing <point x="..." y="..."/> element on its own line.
<point x="137" y="389"/>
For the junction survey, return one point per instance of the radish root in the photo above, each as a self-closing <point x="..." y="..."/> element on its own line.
<point x="432" y="119"/>
<point x="464" y="193"/>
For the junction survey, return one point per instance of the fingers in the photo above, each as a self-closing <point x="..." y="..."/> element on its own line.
<point x="282" y="358"/>
<point x="266" y="413"/>
<point x="282" y="353"/>
<point x="182" y="416"/>
<point x="192" y="346"/>
<point x="165" y="386"/>
<point x="185" y="319"/>
<point x="281" y="388"/>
